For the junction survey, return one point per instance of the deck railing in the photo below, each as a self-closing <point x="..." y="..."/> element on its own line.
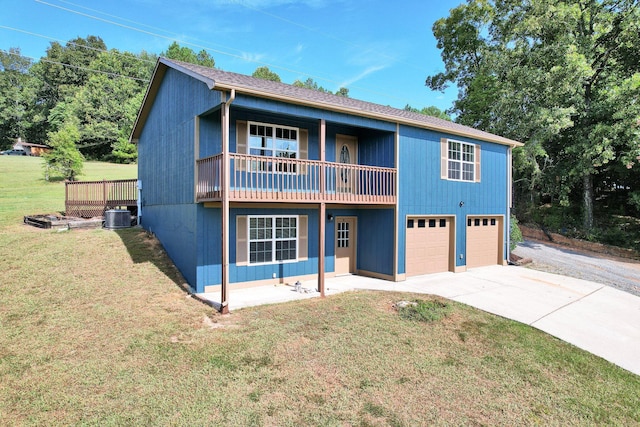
<point x="260" y="178"/>
<point x="87" y="199"/>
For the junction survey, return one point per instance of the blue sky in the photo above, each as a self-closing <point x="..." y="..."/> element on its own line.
<point x="379" y="49"/>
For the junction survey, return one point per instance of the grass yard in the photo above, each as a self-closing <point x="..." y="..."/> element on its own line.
<point x="24" y="190"/>
<point x="96" y="330"/>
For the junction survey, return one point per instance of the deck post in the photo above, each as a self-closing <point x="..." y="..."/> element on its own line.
<point x="104" y="193"/>
<point x="322" y="209"/>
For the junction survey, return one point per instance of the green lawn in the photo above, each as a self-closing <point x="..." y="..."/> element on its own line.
<point x="95" y="329"/>
<point x="24" y="190"/>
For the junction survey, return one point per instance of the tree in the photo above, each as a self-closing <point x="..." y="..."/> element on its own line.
<point x="554" y="74"/>
<point x="432" y="111"/>
<point x="266" y="74"/>
<point x="185" y="54"/>
<point x="107" y="105"/>
<point x="14" y="96"/>
<point x="59" y="74"/>
<point x="311" y="84"/>
<point x="343" y="91"/>
<point x="65" y="158"/>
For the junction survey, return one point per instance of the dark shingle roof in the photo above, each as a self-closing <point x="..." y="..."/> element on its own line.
<point x="242" y="83"/>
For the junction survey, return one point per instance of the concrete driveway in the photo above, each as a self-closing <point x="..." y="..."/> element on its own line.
<point x="597" y="318"/>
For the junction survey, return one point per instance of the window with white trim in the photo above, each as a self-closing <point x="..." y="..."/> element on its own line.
<point x="280" y="142"/>
<point x="461" y="161"/>
<point x="272" y="239"/>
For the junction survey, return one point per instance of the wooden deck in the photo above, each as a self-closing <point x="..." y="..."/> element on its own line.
<point x="264" y="179"/>
<point x="88" y="199"/>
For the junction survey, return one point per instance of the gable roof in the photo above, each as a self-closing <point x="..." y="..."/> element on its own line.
<point x="224" y="80"/>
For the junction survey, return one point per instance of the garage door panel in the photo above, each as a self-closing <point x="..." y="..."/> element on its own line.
<point x="428" y="247"/>
<point x="484" y="241"/>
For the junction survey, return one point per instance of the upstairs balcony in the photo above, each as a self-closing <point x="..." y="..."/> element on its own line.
<point x="274" y="179"/>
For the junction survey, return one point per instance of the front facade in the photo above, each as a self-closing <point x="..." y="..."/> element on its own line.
<point x="248" y="182"/>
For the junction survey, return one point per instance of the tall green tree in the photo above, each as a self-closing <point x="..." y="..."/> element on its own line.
<point x="107" y="105"/>
<point x="15" y="96"/>
<point x="266" y="74"/>
<point x="59" y="74"/>
<point x="562" y="76"/>
<point x="185" y="54"/>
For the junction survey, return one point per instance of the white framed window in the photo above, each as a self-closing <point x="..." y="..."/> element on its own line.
<point x="272" y="239"/>
<point x="462" y="161"/>
<point x="280" y="142"/>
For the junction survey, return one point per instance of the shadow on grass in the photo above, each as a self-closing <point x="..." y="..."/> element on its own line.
<point x="145" y="248"/>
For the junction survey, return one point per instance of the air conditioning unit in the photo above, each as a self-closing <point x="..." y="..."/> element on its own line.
<point x="117" y="218"/>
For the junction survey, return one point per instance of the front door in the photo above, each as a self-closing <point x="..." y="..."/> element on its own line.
<point x="346" y="152"/>
<point x="345" y="245"/>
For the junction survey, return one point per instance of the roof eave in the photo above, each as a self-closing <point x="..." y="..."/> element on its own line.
<point x="380" y="116"/>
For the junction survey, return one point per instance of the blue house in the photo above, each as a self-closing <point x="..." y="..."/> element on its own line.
<point x="249" y="182"/>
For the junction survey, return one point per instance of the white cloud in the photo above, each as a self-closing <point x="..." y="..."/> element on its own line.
<point x="362" y="75"/>
<point x="253" y="57"/>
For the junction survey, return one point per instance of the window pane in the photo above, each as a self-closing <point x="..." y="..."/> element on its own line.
<point x="454" y="170"/>
<point x="454" y="150"/>
<point x="286" y="250"/>
<point x="432" y="223"/>
<point x="467" y="171"/>
<point x="467" y="152"/>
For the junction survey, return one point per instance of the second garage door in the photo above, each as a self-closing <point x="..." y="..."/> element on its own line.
<point x="484" y="241"/>
<point x="428" y="245"/>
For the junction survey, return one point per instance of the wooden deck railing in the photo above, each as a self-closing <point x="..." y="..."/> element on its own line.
<point x="259" y="178"/>
<point x="87" y="199"/>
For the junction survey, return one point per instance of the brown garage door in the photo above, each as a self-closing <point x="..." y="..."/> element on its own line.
<point x="428" y="245"/>
<point x="484" y="241"/>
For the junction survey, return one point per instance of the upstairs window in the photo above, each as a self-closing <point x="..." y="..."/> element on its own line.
<point x="460" y="161"/>
<point x="274" y="141"/>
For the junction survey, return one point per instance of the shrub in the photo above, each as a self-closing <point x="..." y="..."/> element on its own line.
<point x="515" y="235"/>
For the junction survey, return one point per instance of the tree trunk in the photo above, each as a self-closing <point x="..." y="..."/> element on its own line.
<point x="587" y="181"/>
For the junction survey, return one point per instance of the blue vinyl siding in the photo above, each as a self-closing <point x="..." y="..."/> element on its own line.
<point x="209" y="247"/>
<point x="423" y="192"/>
<point x="210" y="135"/>
<point x="175" y="227"/>
<point x="375" y="240"/>
<point x="166" y="160"/>
<point x="304" y="112"/>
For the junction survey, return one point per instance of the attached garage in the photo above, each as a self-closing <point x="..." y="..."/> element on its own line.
<point x="429" y="247"/>
<point x="484" y="241"/>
